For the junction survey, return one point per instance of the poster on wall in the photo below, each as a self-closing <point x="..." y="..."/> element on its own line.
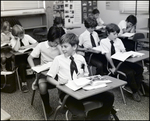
<point x="87" y="8"/>
<point x="72" y="14"/>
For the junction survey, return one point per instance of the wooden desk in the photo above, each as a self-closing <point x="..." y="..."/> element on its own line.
<point x="137" y="59"/>
<point x="81" y="94"/>
<point x="4" y="115"/>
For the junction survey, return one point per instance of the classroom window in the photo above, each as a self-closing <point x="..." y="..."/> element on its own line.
<point x="130" y="7"/>
<point x="9" y="8"/>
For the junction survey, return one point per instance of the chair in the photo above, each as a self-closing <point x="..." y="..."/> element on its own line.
<point x="137" y="42"/>
<point x="119" y="75"/>
<point x="37" y="62"/>
<point x="88" y="105"/>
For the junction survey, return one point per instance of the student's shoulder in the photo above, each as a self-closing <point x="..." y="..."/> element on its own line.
<point x="83" y="33"/>
<point x="79" y="56"/>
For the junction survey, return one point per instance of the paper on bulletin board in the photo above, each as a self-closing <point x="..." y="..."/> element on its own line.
<point x="72" y="14"/>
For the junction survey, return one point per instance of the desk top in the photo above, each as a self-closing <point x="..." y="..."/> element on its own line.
<point x="81" y="94"/>
<point x="136" y="59"/>
<point x="4" y="115"/>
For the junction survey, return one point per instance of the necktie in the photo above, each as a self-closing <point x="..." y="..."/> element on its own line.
<point x="112" y="47"/>
<point x="21" y="43"/>
<point x="92" y="40"/>
<point x="73" y="67"/>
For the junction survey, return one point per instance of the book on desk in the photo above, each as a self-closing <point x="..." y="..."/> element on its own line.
<point x="25" y="50"/>
<point x="122" y="56"/>
<point x="127" y="35"/>
<point x="87" y="83"/>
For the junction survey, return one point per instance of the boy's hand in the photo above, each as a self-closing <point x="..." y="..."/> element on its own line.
<point x="34" y="85"/>
<point x="113" y="70"/>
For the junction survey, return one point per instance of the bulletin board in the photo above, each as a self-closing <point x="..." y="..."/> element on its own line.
<point x="87" y="8"/>
<point x="70" y="11"/>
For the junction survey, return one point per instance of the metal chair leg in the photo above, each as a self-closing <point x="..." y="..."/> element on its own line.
<point x="56" y="111"/>
<point x="45" y="116"/>
<point x="67" y="112"/>
<point x="143" y="89"/>
<point x="122" y="95"/>
<point x="18" y="79"/>
<point x="33" y="97"/>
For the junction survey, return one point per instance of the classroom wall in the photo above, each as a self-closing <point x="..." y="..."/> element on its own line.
<point x="114" y="16"/>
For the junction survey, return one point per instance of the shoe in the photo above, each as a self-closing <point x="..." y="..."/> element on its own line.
<point x="136" y="97"/>
<point x="25" y="88"/>
<point x="50" y="113"/>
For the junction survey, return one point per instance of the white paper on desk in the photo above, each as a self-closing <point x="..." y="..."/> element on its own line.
<point x="90" y="87"/>
<point x="24" y="50"/>
<point x="6" y="72"/>
<point x="41" y="68"/>
<point x="123" y="56"/>
<point x="136" y="54"/>
<point x="127" y="34"/>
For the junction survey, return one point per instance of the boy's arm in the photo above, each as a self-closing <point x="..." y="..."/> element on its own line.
<point x="30" y="61"/>
<point x="108" y="57"/>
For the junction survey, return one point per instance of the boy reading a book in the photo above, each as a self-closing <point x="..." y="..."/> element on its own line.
<point x="20" y="40"/>
<point x="133" y="71"/>
<point x="128" y="26"/>
<point x="89" y="39"/>
<point x="69" y="66"/>
<point x="46" y="51"/>
<point x="5" y="40"/>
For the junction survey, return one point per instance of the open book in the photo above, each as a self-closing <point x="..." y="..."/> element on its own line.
<point x="41" y="68"/>
<point x="87" y="83"/>
<point x="122" y="56"/>
<point x="127" y="35"/>
<point x="25" y="50"/>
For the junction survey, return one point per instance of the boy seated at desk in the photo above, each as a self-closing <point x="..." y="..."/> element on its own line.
<point x="69" y="66"/>
<point x="20" y="40"/>
<point x="5" y="39"/>
<point x="89" y="39"/>
<point x="128" y="26"/>
<point x="133" y="71"/>
<point x="46" y="51"/>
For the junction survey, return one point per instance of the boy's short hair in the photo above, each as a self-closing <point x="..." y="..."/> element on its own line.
<point x="95" y="11"/>
<point x="58" y="20"/>
<point x="112" y="28"/>
<point x="17" y="30"/>
<point x="5" y="25"/>
<point x="90" y="22"/>
<point x="55" y="33"/>
<point x="132" y="19"/>
<point x="70" y="38"/>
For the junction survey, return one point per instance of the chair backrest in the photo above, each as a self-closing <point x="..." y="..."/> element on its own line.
<point x="136" y="37"/>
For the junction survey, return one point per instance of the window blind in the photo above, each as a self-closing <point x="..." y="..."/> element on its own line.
<point x="130" y="6"/>
<point x="21" y="7"/>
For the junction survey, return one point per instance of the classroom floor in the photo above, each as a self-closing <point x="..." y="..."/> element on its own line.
<point x="18" y="105"/>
